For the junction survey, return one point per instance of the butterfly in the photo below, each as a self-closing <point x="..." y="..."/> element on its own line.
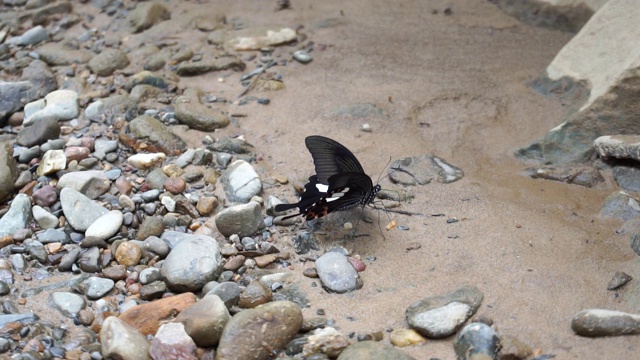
<point x="339" y="183"/>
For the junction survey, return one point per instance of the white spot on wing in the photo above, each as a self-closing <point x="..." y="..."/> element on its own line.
<point x="322" y="187"/>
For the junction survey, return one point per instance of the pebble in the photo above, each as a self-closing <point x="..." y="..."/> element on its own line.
<point x="147" y="317"/>
<point x="17" y="217"/>
<point x="9" y="173"/>
<point x="108" y="61"/>
<point x="31" y="37"/>
<point x="45" y="196"/>
<point x="67" y="303"/>
<point x="476" y="341"/>
<point x="47" y="129"/>
<point x="327" y="341"/>
<point x="302" y="57"/>
<point x="275" y="323"/>
<point x="60" y="105"/>
<point x="619" y="280"/>
<point x="91" y="183"/>
<point x="157" y="134"/>
<point x="145" y="161"/>
<point x="128" y="254"/>
<point x="241" y="182"/>
<point x="440" y="316"/>
<point x="603" y="322"/>
<point x="79" y="210"/>
<point x="206" y="205"/>
<point x="336" y="273"/>
<point x="205" y="320"/>
<point x="89" y="260"/>
<point x="95" y="288"/>
<point x="405" y="337"/>
<point x="45" y="219"/>
<point x="172" y="339"/>
<point x="254" y="294"/>
<point x="187" y="267"/>
<point x="243" y="220"/>
<point x="52" y="161"/>
<point x="104" y="147"/>
<point x="175" y="185"/>
<point x="151" y="226"/>
<point x="191" y="112"/>
<point x="120" y="340"/>
<point x="228" y="292"/>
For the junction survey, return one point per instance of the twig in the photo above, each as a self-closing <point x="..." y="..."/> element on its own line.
<point x="401" y="212"/>
<point x="256" y="77"/>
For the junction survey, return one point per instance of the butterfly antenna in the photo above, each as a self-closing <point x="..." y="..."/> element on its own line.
<point x="384" y="238"/>
<point x="380" y="178"/>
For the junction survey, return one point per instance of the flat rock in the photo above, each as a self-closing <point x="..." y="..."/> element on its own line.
<point x="260" y="37"/>
<point x="197" y="116"/>
<point x="68" y="304"/>
<point x="275" y="323"/>
<point x="620" y="205"/>
<point x="241" y="182"/>
<point x="243" y="220"/>
<point x="119" y="340"/>
<point x="60" y="105"/>
<point x="9" y="173"/>
<point x="627" y="176"/>
<point x="193" y="262"/>
<point x="147" y="317"/>
<point x="207" y="65"/>
<point x="366" y="350"/>
<point x="18" y="216"/>
<point x="602" y="322"/>
<point x="440" y="316"/>
<point x="91" y="183"/>
<point x="108" y="61"/>
<point x="147" y="14"/>
<point x="60" y="54"/>
<point x="205" y="320"/>
<point x="421" y="170"/>
<point x="157" y="134"/>
<point x="618" y="146"/>
<point x="46" y="129"/>
<point x="79" y="210"/>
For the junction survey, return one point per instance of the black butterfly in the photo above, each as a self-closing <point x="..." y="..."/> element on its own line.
<point x="339" y="183"/>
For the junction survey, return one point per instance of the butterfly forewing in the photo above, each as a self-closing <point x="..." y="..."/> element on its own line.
<point x="330" y="158"/>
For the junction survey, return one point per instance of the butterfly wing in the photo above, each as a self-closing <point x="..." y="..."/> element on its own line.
<point x="331" y="158"/>
<point x="346" y="190"/>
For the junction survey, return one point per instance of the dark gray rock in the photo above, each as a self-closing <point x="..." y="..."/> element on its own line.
<point x="89" y="260"/>
<point x="572" y="141"/>
<point x="59" y="54"/>
<point x="228" y="292"/>
<point x="53" y="236"/>
<point x="620" y="205"/>
<point x="477" y="341"/>
<point x="619" y="280"/>
<point x="145" y="78"/>
<point x="40" y="133"/>
<point x="189" y="68"/>
<point x="41" y="77"/>
<point x="13" y="96"/>
<point x="627" y="176"/>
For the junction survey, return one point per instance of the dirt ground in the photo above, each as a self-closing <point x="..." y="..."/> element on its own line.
<point x="454" y="86"/>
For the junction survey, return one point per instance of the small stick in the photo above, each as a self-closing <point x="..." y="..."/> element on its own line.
<point x="255" y="79"/>
<point x="401" y="212"/>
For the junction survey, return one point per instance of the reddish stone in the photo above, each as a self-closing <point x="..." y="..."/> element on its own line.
<point x="148" y="317"/>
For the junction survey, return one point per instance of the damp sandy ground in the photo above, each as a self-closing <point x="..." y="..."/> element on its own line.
<point x="453" y="86"/>
<point x="456" y="87"/>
